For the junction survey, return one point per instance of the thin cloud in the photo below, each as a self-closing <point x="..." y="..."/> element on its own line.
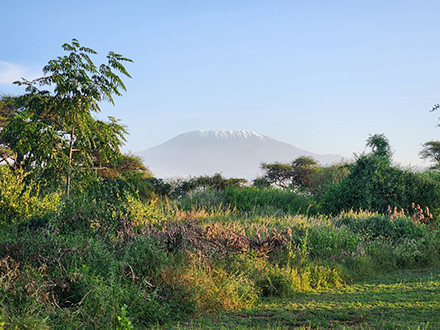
<point x="10" y="72"/>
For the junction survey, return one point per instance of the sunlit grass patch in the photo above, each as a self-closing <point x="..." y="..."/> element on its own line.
<point x="402" y="300"/>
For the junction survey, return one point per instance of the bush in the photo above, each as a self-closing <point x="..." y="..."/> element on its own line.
<point x="210" y="199"/>
<point x="324" y="177"/>
<point x="20" y="200"/>
<point x="150" y="188"/>
<point x="75" y="281"/>
<point x="327" y="242"/>
<point x="181" y="188"/>
<point x="374" y="185"/>
<point x="388" y="245"/>
<point x="375" y="226"/>
<point x="406" y="254"/>
<point x="251" y="199"/>
<point x="102" y="206"/>
<point x="210" y="286"/>
<point x="284" y="280"/>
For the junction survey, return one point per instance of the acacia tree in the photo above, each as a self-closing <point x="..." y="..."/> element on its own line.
<point x="278" y="174"/>
<point x="63" y="118"/>
<point x="431" y="151"/>
<point x="302" y="170"/>
<point x="298" y="173"/>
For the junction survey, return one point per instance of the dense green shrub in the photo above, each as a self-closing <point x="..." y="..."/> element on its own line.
<point x="210" y="199"/>
<point x="149" y="188"/>
<point x="249" y="199"/>
<point x="107" y="260"/>
<point x="374" y="185"/>
<point x="75" y="281"/>
<point x="386" y="244"/>
<point x="374" y="226"/>
<point x="181" y="188"/>
<point x="328" y="242"/>
<point x="407" y="253"/>
<point x="325" y="176"/>
<point x="102" y="206"/>
<point x="21" y="200"/>
<point x="269" y="200"/>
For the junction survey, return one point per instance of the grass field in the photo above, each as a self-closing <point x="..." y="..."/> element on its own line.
<point x="400" y="300"/>
<point x="168" y="267"/>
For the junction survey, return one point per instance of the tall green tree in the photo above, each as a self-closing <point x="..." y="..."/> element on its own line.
<point x="431" y="151"/>
<point x="302" y="170"/>
<point x="296" y="174"/>
<point x="278" y="174"/>
<point x="55" y="128"/>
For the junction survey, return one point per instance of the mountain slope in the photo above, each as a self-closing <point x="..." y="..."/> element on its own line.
<point x="233" y="153"/>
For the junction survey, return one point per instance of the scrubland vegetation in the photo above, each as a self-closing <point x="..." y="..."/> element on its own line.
<point x="106" y="258"/>
<point x="90" y="240"/>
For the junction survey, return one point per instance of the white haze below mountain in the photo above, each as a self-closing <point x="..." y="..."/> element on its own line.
<point x="233" y="153"/>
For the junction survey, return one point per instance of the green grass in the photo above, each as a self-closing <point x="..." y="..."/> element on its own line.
<point x="217" y="268"/>
<point x="401" y="300"/>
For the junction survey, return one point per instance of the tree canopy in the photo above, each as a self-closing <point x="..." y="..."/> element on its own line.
<point x="431" y="151"/>
<point x="53" y="130"/>
<point x="296" y="174"/>
<point x="380" y="146"/>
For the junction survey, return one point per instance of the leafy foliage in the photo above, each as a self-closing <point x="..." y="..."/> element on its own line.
<point x="55" y="131"/>
<point x="380" y="146"/>
<point x="325" y="176"/>
<point x="96" y="266"/>
<point x="101" y="207"/>
<point x="7" y="112"/>
<point x="20" y="201"/>
<point x="254" y="199"/>
<point x="373" y="184"/>
<point x="296" y="174"/>
<point x="216" y="182"/>
<point x="431" y="151"/>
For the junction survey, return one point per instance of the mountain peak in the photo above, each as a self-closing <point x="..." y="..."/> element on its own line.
<point x="233" y="153"/>
<point x="224" y="134"/>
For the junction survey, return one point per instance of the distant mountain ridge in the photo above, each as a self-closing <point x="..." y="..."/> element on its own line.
<point x="233" y="153"/>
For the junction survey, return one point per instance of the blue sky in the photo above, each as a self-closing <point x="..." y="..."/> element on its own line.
<point x="321" y="75"/>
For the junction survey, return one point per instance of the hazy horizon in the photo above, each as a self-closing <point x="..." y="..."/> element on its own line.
<point x="233" y="153"/>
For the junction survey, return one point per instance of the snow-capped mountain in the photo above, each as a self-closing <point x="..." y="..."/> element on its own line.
<point x="233" y="153"/>
<point x="223" y="134"/>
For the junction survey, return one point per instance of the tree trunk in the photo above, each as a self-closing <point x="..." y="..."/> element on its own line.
<point x="72" y="136"/>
